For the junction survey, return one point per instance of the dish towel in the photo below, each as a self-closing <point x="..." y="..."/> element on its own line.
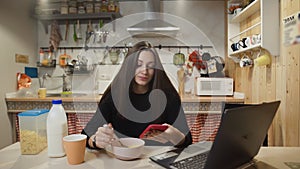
<point x="55" y="36"/>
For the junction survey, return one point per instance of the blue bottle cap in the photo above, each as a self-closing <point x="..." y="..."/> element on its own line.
<point x="57" y="101"/>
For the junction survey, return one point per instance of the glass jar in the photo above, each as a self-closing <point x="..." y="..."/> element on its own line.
<point x="117" y="6"/>
<point x="111" y="6"/>
<point x="97" y="6"/>
<point x="73" y="3"/>
<point x="103" y="6"/>
<point x="64" y="8"/>
<point x="89" y="6"/>
<point x="81" y="10"/>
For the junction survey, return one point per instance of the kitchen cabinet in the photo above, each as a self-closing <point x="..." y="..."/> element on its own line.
<point x="264" y="20"/>
<point x="46" y="19"/>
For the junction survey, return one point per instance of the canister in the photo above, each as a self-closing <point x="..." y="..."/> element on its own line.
<point x="97" y="6"/>
<point x="33" y="132"/>
<point x="64" y="9"/>
<point x="89" y="6"/>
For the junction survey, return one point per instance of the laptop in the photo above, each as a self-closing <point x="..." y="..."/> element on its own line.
<point x="241" y="133"/>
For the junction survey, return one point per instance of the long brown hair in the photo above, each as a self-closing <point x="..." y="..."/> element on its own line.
<point x="160" y="86"/>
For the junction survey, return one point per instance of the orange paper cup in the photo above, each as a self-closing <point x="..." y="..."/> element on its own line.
<point x="74" y="146"/>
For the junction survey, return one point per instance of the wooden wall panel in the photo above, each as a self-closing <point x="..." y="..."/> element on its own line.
<point x="279" y="81"/>
<point x="292" y="95"/>
<point x="290" y="62"/>
<point x="276" y="132"/>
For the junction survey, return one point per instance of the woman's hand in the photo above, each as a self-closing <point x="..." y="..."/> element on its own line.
<point x="171" y="134"/>
<point x="104" y="136"/>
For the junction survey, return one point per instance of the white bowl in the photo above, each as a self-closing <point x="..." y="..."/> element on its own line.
<point x="133" y="150"/>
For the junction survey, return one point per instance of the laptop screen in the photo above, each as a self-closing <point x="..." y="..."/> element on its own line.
<point x="241" y="133"/>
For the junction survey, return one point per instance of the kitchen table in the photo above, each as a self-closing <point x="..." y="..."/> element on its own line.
<point x="199" y="111"/>
<point x="10" y="157"/>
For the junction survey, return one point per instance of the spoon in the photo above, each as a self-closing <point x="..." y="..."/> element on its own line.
<point x="116" y="138"/>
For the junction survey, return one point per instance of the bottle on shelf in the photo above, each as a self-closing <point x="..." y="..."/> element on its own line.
<point x="57" y="128"/>
<point x="97" y="6"/>
<point x="104" y="6"/>
<point x="64" y="8"/>
<point x="117" y="6"/>
<point x="111" y="6"/>
<point x="42" y="55"/>
<point x="89" y="7"/>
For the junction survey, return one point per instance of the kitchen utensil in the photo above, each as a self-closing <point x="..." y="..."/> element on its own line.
<point x="100" y="31"/>
<point x="67" y="30"/>
<point x="90" y="28"/>
<point x="88" y="34"/>
<point x="178" y="58"/>
<point x="74" y="33"/>
<point x="105" y="34"/>
<point x="78" y="30"/>
<point x="96" y="31"/>
<point x="114" y="55"/>
<point x="206" y="56"/>
<point x="105" y="54"/>
<point x="116" y="139"/>
<point x="180" y="77"/>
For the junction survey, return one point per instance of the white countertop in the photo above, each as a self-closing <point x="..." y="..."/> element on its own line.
<point x="10" y="157"/>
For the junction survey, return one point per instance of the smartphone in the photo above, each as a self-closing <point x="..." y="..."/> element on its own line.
<point x="151" y="127"/>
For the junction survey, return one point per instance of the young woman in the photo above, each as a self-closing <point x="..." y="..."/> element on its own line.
<point x="141" y="94"/>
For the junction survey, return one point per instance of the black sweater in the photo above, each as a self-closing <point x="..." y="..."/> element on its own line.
<point x="107" y="113"/>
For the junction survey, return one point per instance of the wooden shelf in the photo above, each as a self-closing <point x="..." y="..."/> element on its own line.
<point x="267" y="23"/>
<point x="62" y="18"/>
<point x="240" y="33"/>
<point x="248" y="49"/>
<point x="50" y="65"/>
<point x="103" y="15"/>
<point x="248" y="11"/>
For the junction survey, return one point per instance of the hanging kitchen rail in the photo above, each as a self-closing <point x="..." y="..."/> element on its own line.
<point x="120" y="47"/>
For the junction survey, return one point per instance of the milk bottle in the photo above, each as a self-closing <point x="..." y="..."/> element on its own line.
<point x="57" y="128"/>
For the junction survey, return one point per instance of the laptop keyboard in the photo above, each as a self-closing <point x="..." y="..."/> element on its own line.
<point x="195" y="162"/>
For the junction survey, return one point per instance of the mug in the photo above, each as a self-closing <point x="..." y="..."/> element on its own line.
<point x="42" y="92"/>
<point x="237" y="11"/>
<point x="255" y="39"/>
<point x="258" y="38"/>
<point x="263" y="60"/>
<point x="246" y="61"/>
<point x="235" y="46"/>
<point x="245" y="42"/>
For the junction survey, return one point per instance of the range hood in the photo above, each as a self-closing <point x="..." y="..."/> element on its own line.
<point x="153" y="25"/>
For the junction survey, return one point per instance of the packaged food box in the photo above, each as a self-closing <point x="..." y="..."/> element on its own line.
<point x="33" y="130"/>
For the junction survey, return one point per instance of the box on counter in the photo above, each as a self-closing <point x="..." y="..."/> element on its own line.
<point x="33" y="130"/>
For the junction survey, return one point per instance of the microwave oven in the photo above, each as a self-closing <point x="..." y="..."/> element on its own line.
<point x="214" y="86"/>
